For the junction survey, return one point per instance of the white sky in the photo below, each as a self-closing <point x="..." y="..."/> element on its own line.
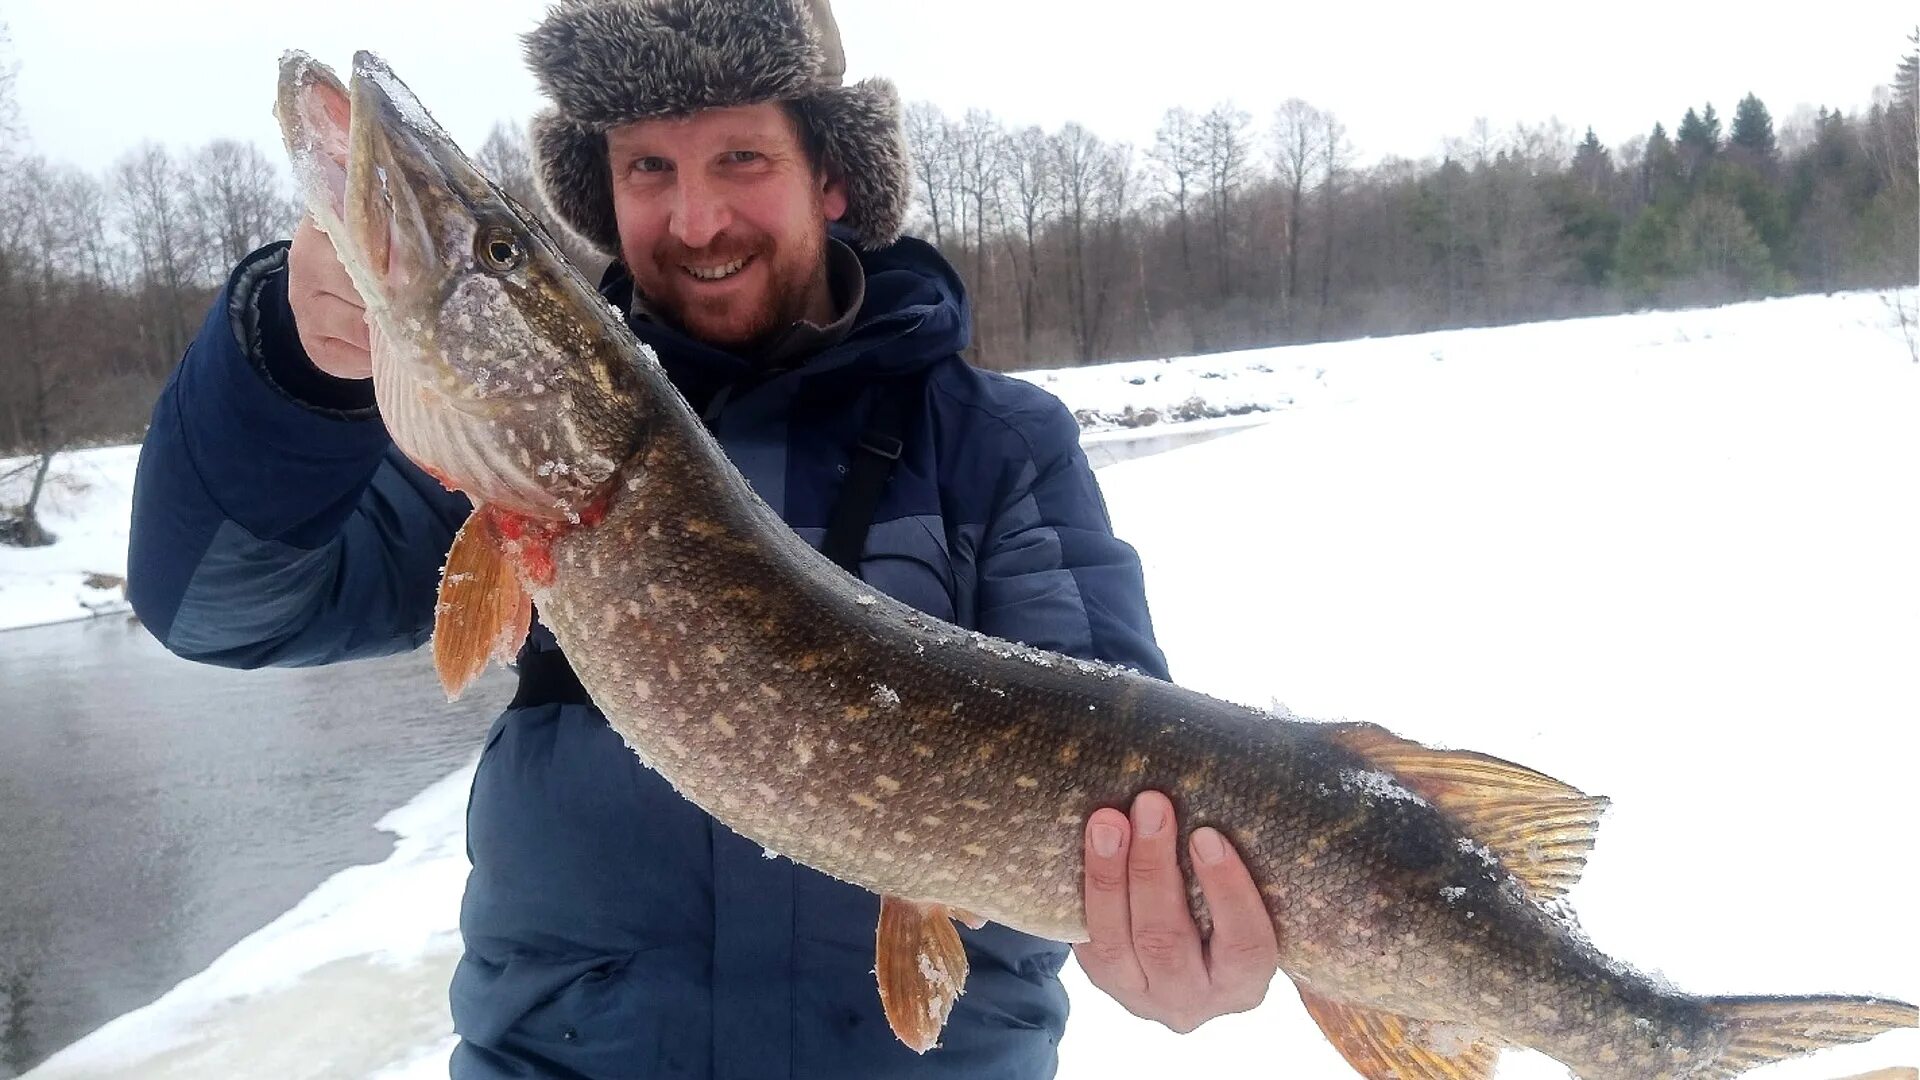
<point x="98" y="76"/>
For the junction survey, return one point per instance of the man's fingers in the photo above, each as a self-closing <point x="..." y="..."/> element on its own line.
<point x="1164" y="936"/>
<point x="1107" y="955"/>
<point x="340" y="359"/>
<point x="1243" y="951"/>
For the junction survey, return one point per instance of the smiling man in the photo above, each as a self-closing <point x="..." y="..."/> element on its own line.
<point x="754" y="205"/>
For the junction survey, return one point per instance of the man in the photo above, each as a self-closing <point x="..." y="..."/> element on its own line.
<point x="611" y="928"/>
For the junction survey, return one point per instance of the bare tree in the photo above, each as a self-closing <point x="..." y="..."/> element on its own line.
<point x="150" y="189"/>
<point x="1297" y="150"/>
<point x="977" y="143"/>
<point x="1335" y="155"/>
<point x="1029" y="170"/>
<point x="1179" y="163"/>
<point x="235" y="201"/>
<point x="1224" y="149"/>
<point x="931" y="150"/>
<point x="1079" y="160"/>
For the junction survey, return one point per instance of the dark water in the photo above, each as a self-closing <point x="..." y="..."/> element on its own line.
<point x="154" y="812"/>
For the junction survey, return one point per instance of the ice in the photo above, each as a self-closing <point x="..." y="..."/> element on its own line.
<point x="1668" y="558"/>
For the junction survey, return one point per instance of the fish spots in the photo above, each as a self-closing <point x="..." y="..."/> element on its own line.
<point x="886" y="696"/>
<point x="984" y="752"/>
<point x="653" y="531"/>
<point x="811" y="800"/>
<point x="673" y="671"/>
<point x="882" y="855"/>
<point x="903" y="836"/>
<point x="930" y="821"/>
<point x="642" y="690"/>
<point x="1133" y="764"/>
<point x="765" y="791"/>
<point x="922" y="750"/>
<point x="714" y="654"/>
<point x="1026" y="782"/>
<point x="771" y="693"/>
<point x="702" y="528"/>
<point x="863" y="800"/>
<point x="855" y="713"/>
<point x="724" y="726"/>
<point x="1068" y="754"/>
<point x="975" y="805"/>
<point x="802" y="748"/>
<point x="975" y="850"/>
<point x="633" y="607"/>
<point x="674" y="746"/>
<point x="887" y="784"/>
<point x="609" y="618"/>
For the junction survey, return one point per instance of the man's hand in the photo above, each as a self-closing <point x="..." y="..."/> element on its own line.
<point x="1146" y="950"/>
<point x="327" y="310"/>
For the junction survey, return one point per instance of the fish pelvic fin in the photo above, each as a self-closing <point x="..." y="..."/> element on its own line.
<point x="1540" y="829"/>
<point x="922" y="968"/>
<point x="1383" y="1046"/>
<point x="483" y="612"/>
<point x="1756" y="1031"/>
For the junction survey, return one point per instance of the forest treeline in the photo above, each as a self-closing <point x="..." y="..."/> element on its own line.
<point x="1229" y="231"/>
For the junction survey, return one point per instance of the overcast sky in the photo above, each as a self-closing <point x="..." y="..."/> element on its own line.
<point x="96" y="77"/>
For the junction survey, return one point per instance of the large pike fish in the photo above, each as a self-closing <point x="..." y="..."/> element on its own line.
<point x="1418" y="892"/>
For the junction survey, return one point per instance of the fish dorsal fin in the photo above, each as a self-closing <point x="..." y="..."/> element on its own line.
<point x="483" y="613"/>
<point x="1382" y="1046"/>
<point x="1539" y="828"/>
<point x="922" y="968"/>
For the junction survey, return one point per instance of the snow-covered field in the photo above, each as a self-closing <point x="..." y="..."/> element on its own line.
<point x="1670" y="558"/>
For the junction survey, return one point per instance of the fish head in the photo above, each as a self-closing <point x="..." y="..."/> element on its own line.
<point x="496" y="366"/>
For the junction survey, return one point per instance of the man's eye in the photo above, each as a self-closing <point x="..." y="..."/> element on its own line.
<point x="742" y="157"/>
<point x="650" y="165"/>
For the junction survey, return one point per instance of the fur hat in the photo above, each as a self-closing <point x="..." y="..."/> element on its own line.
<point x="605" y="63"/>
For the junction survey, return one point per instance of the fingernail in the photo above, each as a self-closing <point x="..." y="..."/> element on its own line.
<point x="1106" y="839"/>
<point x="1207" y="845"/>
<point x="1149" y="816"/>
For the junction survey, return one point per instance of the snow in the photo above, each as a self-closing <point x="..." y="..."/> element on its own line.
<point x="85" y="506"/>
<point x="1670" y="558"/>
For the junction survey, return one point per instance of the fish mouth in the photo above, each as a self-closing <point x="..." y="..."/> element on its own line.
<point x="413" y="201"/>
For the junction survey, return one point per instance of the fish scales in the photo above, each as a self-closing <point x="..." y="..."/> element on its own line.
<point x="1416" y="893"/>
<point x="1353" y="879"/>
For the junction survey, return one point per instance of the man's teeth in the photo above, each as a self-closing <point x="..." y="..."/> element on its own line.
<point x="715" y="273"/>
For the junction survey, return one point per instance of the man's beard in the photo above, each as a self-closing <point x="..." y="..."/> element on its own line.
<point x="792" y="276"/>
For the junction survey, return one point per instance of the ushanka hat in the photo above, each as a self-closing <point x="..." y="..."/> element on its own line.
<point x="605" y="63"/>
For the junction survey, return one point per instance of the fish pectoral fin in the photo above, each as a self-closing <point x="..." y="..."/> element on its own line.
<point x="922" y="968"/>
<point x="1383" y="1046"/>
<point x="483" y="611"/>
<point x="1540" y="828"/>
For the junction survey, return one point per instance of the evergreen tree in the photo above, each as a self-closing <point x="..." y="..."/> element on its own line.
<point x="1592" y="164"/>
<point x="1753" y="130"/>
<point x="1698" y="140"/>
<point x="1906" y="77"/>
<point x="1660" y="171"/>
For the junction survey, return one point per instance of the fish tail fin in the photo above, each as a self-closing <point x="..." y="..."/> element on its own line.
<point x="1755" y="1031"/>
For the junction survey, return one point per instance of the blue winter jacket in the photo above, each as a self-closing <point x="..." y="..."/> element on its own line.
<point x="612" y="929"/>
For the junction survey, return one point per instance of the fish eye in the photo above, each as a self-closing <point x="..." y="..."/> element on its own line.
<point x="500" y="250"/>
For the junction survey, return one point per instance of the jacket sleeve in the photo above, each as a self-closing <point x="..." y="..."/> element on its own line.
<point x="1052" y="574"/>
<point x="273" y="520"/>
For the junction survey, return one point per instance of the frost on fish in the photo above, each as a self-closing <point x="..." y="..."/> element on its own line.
<point x="1379" y="785"/>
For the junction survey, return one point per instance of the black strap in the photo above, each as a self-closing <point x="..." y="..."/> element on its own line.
<point x="547" y="679"/>
<point x="873" y="460"/>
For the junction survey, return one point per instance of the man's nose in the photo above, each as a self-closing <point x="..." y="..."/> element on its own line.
<point x="700" y="211"/>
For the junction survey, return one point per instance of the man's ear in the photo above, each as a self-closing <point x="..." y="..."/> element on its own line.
<point x="833" y="196"/>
